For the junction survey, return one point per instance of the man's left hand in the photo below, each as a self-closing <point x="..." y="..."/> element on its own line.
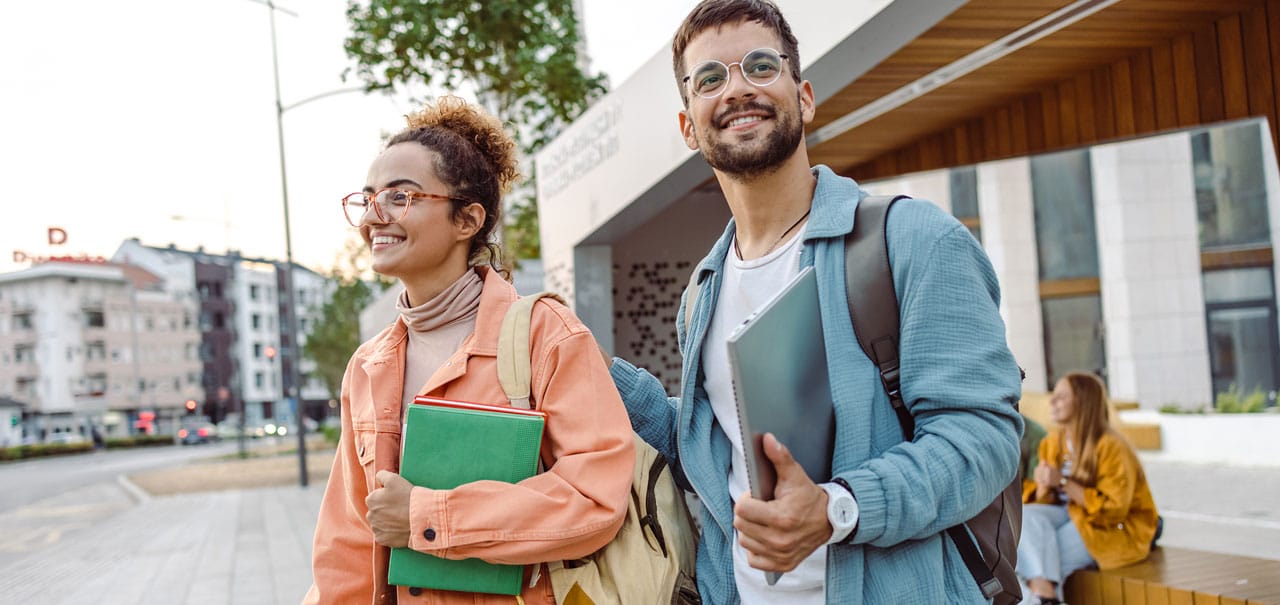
<point x="389" y="510"/>
<point x="780" y="533"/>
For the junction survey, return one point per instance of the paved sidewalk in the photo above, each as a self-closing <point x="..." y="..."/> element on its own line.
<point x="253" y="546"/>
<point x="237" y="546"/>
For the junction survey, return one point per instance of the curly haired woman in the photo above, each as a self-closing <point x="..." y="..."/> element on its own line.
<point x="427" y="213"/>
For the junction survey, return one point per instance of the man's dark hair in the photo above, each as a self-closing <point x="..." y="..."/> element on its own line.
<point x="717" y="13"/>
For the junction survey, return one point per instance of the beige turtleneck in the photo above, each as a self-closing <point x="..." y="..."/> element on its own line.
<point x="436" y="329"/>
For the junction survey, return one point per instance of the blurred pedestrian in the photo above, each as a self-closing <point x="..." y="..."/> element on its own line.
<point x="1090" y="502"/>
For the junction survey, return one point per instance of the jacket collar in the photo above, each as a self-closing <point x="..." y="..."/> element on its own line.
<point x="494" y="302"/>
<point x="831" y="216"/>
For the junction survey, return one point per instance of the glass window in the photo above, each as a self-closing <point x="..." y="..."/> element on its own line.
<point x="964" y="192"/>
<point x="1242" y="349"/>
<point x="1073" y="336"/>
<point x="22" y="321"/>
<point x="1062" y="193"/>
<point x="1241" y="314"/>
<point x="1237" y="285"/>
<point x="964" y="198"/>
<point x="1231" y="192"/>
<point x="94" y="319"/>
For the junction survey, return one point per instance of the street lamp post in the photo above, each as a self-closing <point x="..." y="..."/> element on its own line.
<point x="292" y="349"/>
<point x="292" y="320"/>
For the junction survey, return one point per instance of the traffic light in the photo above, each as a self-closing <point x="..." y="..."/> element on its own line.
<point x="191" y="406"/>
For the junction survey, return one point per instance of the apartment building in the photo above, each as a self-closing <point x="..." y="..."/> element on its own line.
<point x="86" y="344"/>
<point x="245" y="346"/>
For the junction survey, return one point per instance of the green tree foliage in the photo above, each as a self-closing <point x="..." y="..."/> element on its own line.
<point x="519" y="56"/>
<point x="336" y="335"/>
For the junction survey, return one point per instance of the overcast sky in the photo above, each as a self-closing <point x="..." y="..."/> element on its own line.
<point x="155" y="119"/>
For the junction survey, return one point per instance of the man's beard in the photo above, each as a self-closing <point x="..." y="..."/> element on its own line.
<point x="750" y="164"/>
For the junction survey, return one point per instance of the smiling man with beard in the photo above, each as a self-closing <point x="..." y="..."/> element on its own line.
<point x="873" y="531"/>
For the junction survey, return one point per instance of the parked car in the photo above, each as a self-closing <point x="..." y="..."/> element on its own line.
<point x="194" y="433"/>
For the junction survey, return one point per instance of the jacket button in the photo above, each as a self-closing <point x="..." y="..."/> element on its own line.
<point x="429" y="534"/>
<point x="360" y="450"/>
<point x="415" y="591"/>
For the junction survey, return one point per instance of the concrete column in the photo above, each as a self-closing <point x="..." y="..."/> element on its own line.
<point x="1149" y="267"/>
<point x="934" y="186"/>
<point x="1008" y="235"/>
<point x="593" y="291"/>
<point x="1271" y="172"/>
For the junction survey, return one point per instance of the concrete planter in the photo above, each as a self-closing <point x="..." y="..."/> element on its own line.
<point x="1234" y="439"/>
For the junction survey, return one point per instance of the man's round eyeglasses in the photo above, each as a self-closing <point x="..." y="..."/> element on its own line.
<point x="390" y="205"/>
<point x="761" y="67"/>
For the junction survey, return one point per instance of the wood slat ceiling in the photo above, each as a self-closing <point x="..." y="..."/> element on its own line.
<point x="1125" y="28"/>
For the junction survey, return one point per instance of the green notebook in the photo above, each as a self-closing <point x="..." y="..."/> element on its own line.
<point x="449" y="443"/>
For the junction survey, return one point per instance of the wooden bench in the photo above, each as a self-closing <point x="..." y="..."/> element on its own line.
<point x="1179" y="576"/>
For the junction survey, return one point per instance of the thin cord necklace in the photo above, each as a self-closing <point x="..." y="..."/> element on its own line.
<point x="738" y="250"/>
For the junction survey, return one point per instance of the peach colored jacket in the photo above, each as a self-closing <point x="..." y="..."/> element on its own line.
<point x="569" y="511"/>
<point x="1118" y="518"/>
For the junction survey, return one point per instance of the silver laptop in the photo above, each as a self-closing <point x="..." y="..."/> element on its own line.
<point x="778" y="363"/>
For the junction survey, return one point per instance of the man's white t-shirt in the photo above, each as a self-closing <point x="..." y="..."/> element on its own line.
<point x="746" y="287"/>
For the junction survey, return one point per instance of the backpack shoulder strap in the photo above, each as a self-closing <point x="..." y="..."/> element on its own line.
<point x="873" y="309"/>
<point x="513" y="349"/>
<point x="873" y="303"/>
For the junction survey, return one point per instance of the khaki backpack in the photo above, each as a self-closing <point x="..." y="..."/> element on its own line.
<point x="651" y="560"/>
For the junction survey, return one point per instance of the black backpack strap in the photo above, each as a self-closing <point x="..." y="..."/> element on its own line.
<point x="875" y="315"/>
<point x="873" y="310"/>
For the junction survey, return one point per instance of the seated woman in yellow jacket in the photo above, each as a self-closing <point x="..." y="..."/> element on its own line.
<point x="1090" y="503"/>
<point x="427" y="213"/>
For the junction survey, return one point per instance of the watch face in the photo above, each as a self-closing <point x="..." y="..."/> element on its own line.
<point x="844" y="512"/>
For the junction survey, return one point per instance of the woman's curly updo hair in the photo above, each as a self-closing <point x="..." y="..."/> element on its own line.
<point x="475" y="158"/>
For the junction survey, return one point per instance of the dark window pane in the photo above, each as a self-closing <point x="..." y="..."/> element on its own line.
<point x="1073" y="336"/>
<point x="1242" y="330"/>
<point x="964" y="192"/>
<point x="1242" y="349"/>
<point x="1062" y="191"/>
<point x="1231" y="191"/>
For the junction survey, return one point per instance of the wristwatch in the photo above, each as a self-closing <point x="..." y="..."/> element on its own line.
<point x="842" y="511"/>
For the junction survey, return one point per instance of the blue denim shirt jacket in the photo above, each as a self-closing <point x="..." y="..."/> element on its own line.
<point x="959" y="380"/>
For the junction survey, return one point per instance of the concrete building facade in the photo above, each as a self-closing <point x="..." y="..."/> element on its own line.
<point x="1111" y="157"/>
<point x="244" y="339"/>
<point x="96" y="344"/>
